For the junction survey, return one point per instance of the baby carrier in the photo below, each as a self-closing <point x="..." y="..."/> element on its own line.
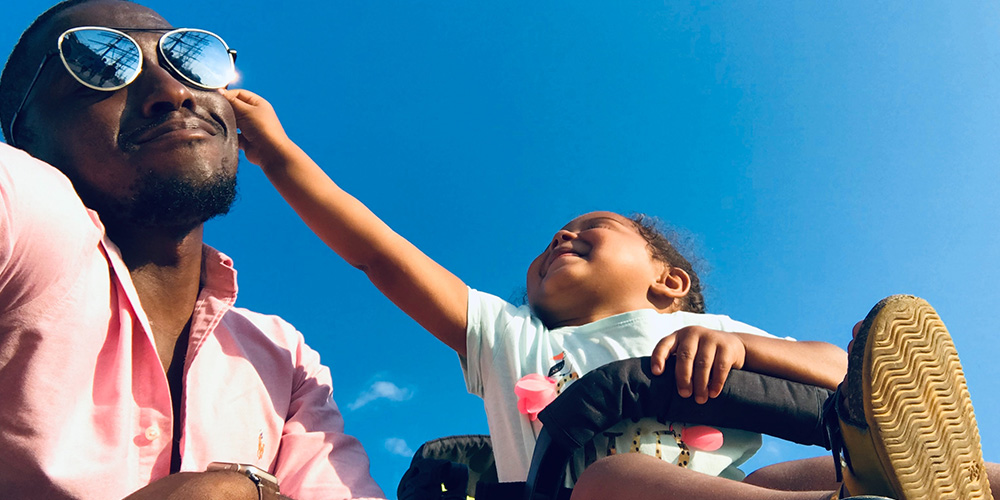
<point x="459" y="468"/>
<point x="449" y="468"/>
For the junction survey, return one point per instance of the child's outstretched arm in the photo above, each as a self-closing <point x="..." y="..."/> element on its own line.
<point x="705" y="357"/>
<point x="427" y="292"/>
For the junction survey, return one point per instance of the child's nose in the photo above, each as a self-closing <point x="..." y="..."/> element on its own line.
<point x="561" y="236"/>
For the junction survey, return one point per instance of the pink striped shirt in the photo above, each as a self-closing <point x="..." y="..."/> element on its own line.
<point x="85" y="409"/>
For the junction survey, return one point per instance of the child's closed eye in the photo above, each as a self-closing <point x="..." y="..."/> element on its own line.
<point x="601" y="223"/>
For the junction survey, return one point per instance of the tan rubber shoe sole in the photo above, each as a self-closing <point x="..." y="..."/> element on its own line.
<point x="921" y="427"/>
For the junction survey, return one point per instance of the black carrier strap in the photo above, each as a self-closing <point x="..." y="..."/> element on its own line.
<point x="628" y="390"/>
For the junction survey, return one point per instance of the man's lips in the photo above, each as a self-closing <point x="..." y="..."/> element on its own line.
<point x="172" y="124"/>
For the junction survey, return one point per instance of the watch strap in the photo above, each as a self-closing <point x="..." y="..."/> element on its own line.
<point x="265" y="488"/>
<point x="266" y="484"/>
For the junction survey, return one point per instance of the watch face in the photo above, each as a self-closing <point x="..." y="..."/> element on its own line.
<point x="262" y="474"/>
<point x="255" y="473"/>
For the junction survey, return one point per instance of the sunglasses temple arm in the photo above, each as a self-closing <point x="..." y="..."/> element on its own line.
<point x="27" y="93"/>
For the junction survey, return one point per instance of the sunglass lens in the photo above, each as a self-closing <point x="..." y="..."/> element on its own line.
<point x="199" y="56"/>
<point x="102" y="60"/>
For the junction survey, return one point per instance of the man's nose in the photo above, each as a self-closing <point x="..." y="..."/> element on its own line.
<point x="161" y="91"/>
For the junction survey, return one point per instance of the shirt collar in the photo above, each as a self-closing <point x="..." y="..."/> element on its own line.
<point x="218" y="276"/>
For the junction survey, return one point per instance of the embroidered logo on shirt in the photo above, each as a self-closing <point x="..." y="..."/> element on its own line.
<point x="260" y="445"/>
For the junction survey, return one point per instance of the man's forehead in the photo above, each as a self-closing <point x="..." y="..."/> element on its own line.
<point x="110" y="13"/>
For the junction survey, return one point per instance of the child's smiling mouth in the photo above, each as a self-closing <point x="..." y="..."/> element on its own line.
<point x="557" y="253"/>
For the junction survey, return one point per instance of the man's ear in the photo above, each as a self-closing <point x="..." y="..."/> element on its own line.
<point x="674" y="283"/>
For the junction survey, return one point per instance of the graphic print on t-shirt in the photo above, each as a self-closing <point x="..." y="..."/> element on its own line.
<point x="562" y="371"/>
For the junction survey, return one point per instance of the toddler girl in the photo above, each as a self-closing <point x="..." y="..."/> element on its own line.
<point x="605" y="288"/>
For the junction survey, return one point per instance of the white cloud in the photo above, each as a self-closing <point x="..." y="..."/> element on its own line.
<point x="398" y="446"/>
<point x="381" y="389"/>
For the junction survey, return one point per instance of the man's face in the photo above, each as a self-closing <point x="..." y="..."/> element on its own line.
<point x="156" y="153"/>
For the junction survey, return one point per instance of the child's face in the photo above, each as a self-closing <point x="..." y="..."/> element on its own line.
<point x="596" y="266"/>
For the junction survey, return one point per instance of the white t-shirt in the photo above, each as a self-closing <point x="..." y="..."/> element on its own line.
<point x="506" y="342"/>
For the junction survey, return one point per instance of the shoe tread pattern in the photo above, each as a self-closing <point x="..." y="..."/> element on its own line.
<point x="920" y="405"/>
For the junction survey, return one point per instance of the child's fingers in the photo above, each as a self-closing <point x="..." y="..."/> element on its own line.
<point x="730" y="353"/>
<point x="242" y="97"/>
<point x="685" y="352"/>
<point x="247" y="105"/>
<point x="242" y="105"/>
<point x="664" y="348"/>
<point x="702" y="372"/>
<point x="720" y="372"/>
<point x="233" y="96"/>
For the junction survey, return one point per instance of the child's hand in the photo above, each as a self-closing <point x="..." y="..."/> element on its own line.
<point x="262" y="138"/>
<point x="704" y="359"/>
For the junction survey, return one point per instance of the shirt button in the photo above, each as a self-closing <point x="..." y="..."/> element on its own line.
<point x="152" y="432"/>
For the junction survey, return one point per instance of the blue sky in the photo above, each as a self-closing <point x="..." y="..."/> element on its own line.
<point x="817" y="156"/>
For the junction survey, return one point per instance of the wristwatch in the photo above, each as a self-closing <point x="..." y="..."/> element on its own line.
<point x="267" y="485"/>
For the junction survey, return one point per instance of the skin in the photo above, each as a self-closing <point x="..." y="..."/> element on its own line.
<point x="632" y="476"/>
<point x="596" y="266"/>
<point x="107" y="143"/>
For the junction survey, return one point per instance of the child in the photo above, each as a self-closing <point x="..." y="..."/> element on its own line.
<point x="606" y="287"/>
<point x="902" y="424"/>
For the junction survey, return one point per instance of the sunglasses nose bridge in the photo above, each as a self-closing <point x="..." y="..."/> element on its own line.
<point x="148" y="45"/>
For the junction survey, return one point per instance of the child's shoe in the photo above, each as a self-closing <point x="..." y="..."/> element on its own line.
<point x="905" y="417"/>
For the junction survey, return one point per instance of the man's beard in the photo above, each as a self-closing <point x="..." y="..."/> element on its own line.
<point x="167" y="203"/>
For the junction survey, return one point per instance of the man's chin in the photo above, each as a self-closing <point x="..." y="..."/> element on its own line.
<point x="170" y="202"/>
<point x="167" y="203"/>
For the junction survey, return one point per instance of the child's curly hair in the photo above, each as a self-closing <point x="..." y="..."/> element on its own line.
<point x="650" y="228"/>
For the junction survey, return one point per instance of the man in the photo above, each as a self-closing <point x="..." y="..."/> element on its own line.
<point x="122" y="358"/>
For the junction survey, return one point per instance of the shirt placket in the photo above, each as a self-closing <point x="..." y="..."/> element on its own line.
<point x="152" y="430"/>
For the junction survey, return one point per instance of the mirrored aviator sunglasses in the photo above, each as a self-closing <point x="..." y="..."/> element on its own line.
<point x="107" y="59"/>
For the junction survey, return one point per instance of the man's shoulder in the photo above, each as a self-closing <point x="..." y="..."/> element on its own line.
<point x="10" y="153"/>
<point x="270" y="324"/>
<point x="268" y="336"/>
<point x="17" y="165"/>
<point x="43" y="223"/>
